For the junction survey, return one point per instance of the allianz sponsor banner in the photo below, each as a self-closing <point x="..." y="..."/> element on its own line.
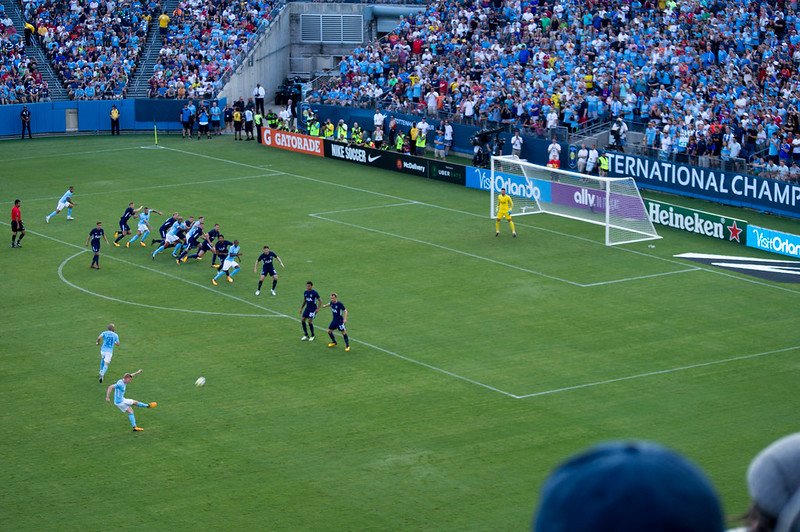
<point x="296" y="142"/>
<point x="773" y="241"/>
<point x="515" y="185"/>
<point x="385" y="159"/>
<point x="697" y="222"/>
<point x="770" y="195"/>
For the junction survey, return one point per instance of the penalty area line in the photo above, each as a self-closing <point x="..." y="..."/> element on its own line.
<point x="660" y="372"/>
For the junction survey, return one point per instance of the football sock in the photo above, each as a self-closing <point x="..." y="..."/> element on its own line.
<point x="194" y="256"/>
<point x="52" y="214"/>
<point x="311" y="326"/>
<point x="234" y="272"/>
<point x="274" y="283"/>
<point x="132" y="419"/>
<point x="102" y="366"/>
<point x="96" y="260"/>
<point x="132" y="240"/>
<point x="219" y="274"/>
<point x="259" y="287"/>
<point x="159" y="250"/>
<point x="120" y="236"/>
<point x="177" y="249"/>
<point x="512" y="226"/>
<point x="69" y="211"/>
<point x="141" y="405"/>
<point x="305" y="330"/>
<point x="333" y="339"/>
<point x="497" y="226"/>
<point x="20" y="237"/>
<point x="346" y="340"/>
<point x="145" y="235"/>
<point x="13" y="239"/>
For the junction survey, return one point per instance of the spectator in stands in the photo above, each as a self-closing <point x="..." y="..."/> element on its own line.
<point x="773" y="480"/>
<point x="628" y="486"/>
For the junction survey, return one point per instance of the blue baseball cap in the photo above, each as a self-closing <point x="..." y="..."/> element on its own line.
<point x="628" y="487"/>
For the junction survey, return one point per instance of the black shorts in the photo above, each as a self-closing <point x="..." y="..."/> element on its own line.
<point x="237" y="126"/>
<point x="96" y="246"/>
<point x="268" y="272"/>
<point x="123" y="226"/>
<point x="17" y="226"/>
<point x="186" y="125"/>
<point x="248" y="126"/>
<point x="205" y="246"/>
<point x="215" y="124"/>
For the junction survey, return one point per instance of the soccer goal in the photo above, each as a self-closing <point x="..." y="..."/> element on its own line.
<point x="613" y="202"/>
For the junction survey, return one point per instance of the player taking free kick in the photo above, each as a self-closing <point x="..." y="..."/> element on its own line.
<point x="124" y="404"/>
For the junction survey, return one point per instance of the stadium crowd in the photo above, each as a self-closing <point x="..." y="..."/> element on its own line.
<point x="94" y="46"/>
<point x="203" y="42"/>
<point x="691" y="68"/>
<point x="20" y="80"/>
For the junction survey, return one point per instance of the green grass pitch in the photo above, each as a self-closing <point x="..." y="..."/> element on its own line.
<point x="478" y="363"/>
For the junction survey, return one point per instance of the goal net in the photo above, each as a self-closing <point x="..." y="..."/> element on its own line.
<point x="613" y="202"/>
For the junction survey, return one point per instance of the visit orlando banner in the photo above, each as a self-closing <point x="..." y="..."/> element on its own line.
<point x="729" y="188"/>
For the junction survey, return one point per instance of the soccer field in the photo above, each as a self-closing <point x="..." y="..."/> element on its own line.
<point x="477" y="363"/>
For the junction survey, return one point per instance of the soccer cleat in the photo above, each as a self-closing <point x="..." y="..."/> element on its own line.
<point x="184" y="259"/>
<point x="116" y="234"/>
<point x="101" y="379"/>
<point x="216" y="266"/>
<point x="137" y="429"/>
<point x="47" y="219"/>
<point x="347" y="349"/>
<point x="116" y="244"/>
<point x="304" y="338"/>
<point x="514" y="235"/>
<point x="310" y="338"/>
<point x="178" y="262"/>
<point x="258" y="292"/>
<point x="497" y="233"/>
<point x="142" y="244"/>
<point x="70" y="218"/>
<point x="152" y="405"/>
<point x="273" y="292"/>
<point x="127" y="244"/>
<point x="154" y="256"/>
<point x="214" y="282"/>
<point x="332" y="344"/>
<point x="230" y="279"/>
<point x="19" y="245"/>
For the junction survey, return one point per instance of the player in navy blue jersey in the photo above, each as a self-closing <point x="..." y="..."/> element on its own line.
<point x="207" y="245"/>
<point x="230" y="266"/>
<point x="193" y="237"/>
<point x="183" y="230"/>
<point x="308" y="309"/>
<point x="338" y="322"/>
<point x="94" y="236"/>
<point x="221" y="250"/>
<point x="124" y="228"/>
<point x="267" y="257"/>
<point x="165" y="228"/>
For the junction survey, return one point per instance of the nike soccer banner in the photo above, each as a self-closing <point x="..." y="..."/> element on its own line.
<point x="385" y="159"/>
<point x="697" y="222"/>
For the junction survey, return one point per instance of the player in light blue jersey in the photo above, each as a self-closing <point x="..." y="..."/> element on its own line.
<point x="230" y="266"/>
<point x="173" y="235"/>
<point x="64" y="203"/>
<point x="182" y="231"/>
<point x="125" y="404"/>
<point x="107" y="341"/>
<point x="143" y="228"/>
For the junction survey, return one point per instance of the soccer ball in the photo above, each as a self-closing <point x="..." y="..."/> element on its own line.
<point x="201" y="381"/>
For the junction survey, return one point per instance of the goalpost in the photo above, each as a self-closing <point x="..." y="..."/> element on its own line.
<point x="613" y="202"/>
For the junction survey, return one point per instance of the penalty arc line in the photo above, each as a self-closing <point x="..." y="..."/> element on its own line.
<point x="111" y="257"/>
<point x="660" y="372"/>
<point x="156" y="307"/>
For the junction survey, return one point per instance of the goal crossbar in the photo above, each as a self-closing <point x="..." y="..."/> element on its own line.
<point x="612" y="202"/>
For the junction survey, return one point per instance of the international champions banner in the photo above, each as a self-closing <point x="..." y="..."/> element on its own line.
<point x="768" y="195"/>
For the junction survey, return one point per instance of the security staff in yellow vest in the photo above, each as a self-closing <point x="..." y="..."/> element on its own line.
<point x="341" y="131"/>
<point x="313" y="127"/>
<point x="357" y="135"/>
<point x="401" y="139"/>
<point x="257" y="120"/>
<point x="421" y="140"/>
<point x="272" y="119"/>
<point x="602" y="164"/>
<point x="328" y="129"/>
<point x="114" y="120"/>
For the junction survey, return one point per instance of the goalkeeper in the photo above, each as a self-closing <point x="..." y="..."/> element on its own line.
<point x="504" y="206"/>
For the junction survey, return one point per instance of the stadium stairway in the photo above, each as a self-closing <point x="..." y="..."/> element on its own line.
<point x="139" y="87"/>
<point x="35" y="52"/>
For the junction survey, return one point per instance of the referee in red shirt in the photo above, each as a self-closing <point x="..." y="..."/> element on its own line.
<point x="16" y="226"/>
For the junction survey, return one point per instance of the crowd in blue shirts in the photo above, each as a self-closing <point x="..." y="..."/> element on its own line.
<point x="93" y="46"/>
<point x="695" y="66"/>
<point x="20" y="79"/>
<point x="204" y="41"/>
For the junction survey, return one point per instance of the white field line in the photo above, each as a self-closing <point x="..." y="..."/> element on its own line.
<point x="181" y="279"/>
<point x="660" y="372"/>
<point x="625" y="280"/>
<point x="155" y="307"/>
<point x="70" y="154"/>
<point x="318" y="214"/>
<point x="153" y="187"/>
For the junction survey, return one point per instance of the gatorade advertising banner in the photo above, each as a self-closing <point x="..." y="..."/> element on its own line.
<point x="276" y="138"/>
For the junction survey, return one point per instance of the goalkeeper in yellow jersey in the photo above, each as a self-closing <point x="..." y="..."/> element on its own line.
<point x="504" y="206"/>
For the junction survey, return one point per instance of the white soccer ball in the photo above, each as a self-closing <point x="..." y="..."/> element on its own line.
<point x="201" y="381"/>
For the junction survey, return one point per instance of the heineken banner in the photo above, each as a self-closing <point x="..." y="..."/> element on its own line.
<point x="698" y="222"/>
<point x="779" y="197"/>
